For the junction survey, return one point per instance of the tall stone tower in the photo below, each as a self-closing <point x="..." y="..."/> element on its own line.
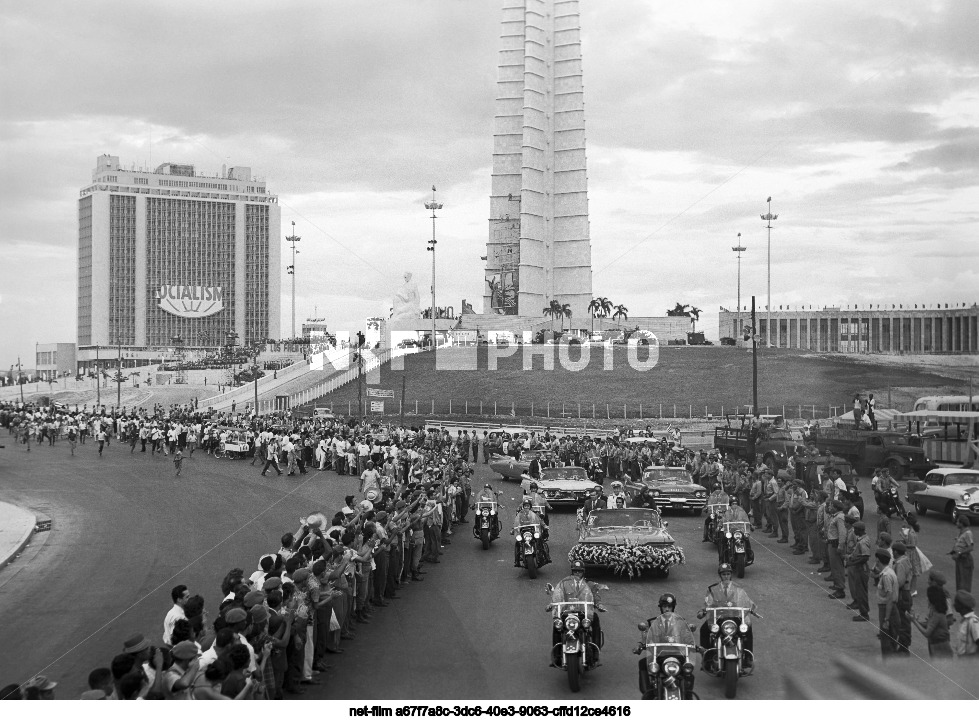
<point x="539" y="248"/>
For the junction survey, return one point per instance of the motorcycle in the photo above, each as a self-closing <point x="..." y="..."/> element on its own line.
<point x="889" y="503"/>
<point x="852" y="494"/>
<point x="533" y="548"/>
<point x="487" y="525"/>
<point x="733" y="546"/>
<point x="710" y="522"/>
<point x="665" y="669"/>
<point x="595" y="471"/>
<point x="573" y="627"/>
<point x="727" y="657"/>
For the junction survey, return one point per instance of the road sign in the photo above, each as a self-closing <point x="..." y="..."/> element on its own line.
<point x="377" y="406"/>
<point x="380" y="393"/>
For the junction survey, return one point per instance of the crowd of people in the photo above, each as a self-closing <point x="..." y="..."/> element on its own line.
<point x="276" y="627"/>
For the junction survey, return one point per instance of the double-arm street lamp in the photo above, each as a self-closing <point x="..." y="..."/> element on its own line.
<point x="768" y="217"/>
<point x="433" y="206"/>
<point x="739" y="249"/>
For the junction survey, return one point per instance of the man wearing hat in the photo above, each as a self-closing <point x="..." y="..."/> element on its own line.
<point x="965" y="641"/>
<point x="835" y="535"/>
<point x="889" y="619"/>
<point x="858" y="572"/>
<point x="40" y="687"/>
<point x="178" y="678"/>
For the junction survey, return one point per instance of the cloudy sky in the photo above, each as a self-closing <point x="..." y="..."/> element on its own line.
<point x="860" y="119"/>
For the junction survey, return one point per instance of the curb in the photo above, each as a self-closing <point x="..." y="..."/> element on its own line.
<point x="4" y="562"/>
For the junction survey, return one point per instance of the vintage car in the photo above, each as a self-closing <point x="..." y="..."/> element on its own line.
<point x="512" y="468"/>
<point x="673" y="488"/>
<point x="953" y="491"/>
<point x="567" y="485"/>
<point x="627" y="540"/>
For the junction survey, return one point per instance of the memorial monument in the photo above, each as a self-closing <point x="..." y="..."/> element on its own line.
<point x="538" y="248"/>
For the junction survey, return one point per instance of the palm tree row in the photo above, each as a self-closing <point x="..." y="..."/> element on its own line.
<point x="558" y="310"/>
<point x="601" y="307"/>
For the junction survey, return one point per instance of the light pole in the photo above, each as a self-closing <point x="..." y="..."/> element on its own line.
<point x="292" y="240"/>
<point x="119" y="373"/>
<point x="98" y="386"/>
<point x="433" y="206"/>
<point x="737" y="323"/>
<point x="769" y="218"/>
<point x="20" y="372"/>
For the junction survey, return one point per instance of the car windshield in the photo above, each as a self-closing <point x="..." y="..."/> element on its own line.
<point x="778" y="435"/>
<point x="962" y="479"/>
<point x="612" y="518"/>
<point x="556" y="474"/>
<point x="658" y="475"/>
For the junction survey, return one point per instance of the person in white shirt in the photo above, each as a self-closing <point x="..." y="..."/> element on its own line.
<point x="180" y="596"/>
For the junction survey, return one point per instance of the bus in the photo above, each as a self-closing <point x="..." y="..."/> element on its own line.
<point x="946" y="403"/>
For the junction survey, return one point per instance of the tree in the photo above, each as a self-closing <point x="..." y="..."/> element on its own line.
<point x="554" y="310"/>
<point x="678" y="310"/>
<point x="594" y="308"/>
<point x="621" y="312"/>
<point x="694" y="313"/>
<point x="565" y="313"/>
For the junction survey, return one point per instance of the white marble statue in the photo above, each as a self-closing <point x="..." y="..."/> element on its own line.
<point x="407" y="302"/>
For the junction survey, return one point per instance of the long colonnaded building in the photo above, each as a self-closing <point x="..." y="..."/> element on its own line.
<point x="169" y="254"/>
<point x="883" y="328"/>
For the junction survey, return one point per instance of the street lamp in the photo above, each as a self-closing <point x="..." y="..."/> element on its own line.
<point x="291" y="270"/>
<point x="769" y="218"/>
<point x="737" y="323"/>
<point x="433" y="206"/>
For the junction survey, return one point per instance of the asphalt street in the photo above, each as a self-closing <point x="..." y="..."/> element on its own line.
<point x="125" y="530"/>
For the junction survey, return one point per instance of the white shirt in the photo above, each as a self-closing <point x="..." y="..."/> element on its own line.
<point x="173" y="615"/>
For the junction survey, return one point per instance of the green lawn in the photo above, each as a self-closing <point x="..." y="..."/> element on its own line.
<point x="713" y="377"/>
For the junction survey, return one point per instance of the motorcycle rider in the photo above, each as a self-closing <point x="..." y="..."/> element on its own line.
<point x="883" y="484"/>
<point x="525" y="517"/>
<point x="576" y="588"/>
<point x="538" y="501"/>
<point x="669" y="626"/>
<point x="617" y="498"/>
<point x="717" y="498"/>
<point x="487" y="495"/>
<point x="722" y="594"/>
<point x="735" y="513"/>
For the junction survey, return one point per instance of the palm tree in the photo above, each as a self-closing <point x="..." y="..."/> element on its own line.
<point x="594" y="308"/>
<point x="621" y="312"/>
<point x="553" y="310"/>
<point x="678" y="310"/>
<point x="606" y="306"/>
<point x="565" y="313"/>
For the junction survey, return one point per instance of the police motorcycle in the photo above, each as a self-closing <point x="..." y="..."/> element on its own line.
<point x="487" y="525"/>
<point x="575" y="650"/>
<point x="733" y="545"/>
<point x="889" y="502"/>
<point x="534" y="552"/>
<point x="714" y="511"/>
<point x="666" y="671"/>
<point x="726" y="656"/>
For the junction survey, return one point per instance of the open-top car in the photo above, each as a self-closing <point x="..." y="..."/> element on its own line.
<point x="566" y="485"/>
<point x="512" y="468"/>
<point x="672" y="487"/>
<point x="953" y="491"/>
<point x="627" y="540"/>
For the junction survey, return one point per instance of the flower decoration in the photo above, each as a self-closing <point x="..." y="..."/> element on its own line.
<point x="629" y="558"/>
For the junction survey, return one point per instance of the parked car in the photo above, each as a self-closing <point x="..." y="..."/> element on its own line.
<point x="562" y="486"/>
<point x="628" y="541"/>
<point x="952" y="491"/>
<point x="673" y="488"/>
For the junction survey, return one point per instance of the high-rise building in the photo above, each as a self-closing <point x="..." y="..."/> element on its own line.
<point x="171" y="253"/>
<point x="538" y="248"/>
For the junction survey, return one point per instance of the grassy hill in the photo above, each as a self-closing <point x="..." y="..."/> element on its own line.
<point x="684" y="376"/>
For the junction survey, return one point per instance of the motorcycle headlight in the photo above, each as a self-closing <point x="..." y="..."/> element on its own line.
<point x="715" y="628"/>
<point x="653" y="667"/>
<point x="710" y="516"/>
<point x="729" y="627"/>
<point x="571" y="623"/>
<point x="586" y="623"/>
<point x="557" y="623"/>
<point x="688" y="669"/>
<point x="743" y="628"/>
<point x="485" y="512"/>
<point x="493" y="512"/>
<point x="671" y="666"/>
<point x="527" y="536"/>
<point x="536" y="534"/>
<point x="737" y="534"/>
<point x="728" y="534"/>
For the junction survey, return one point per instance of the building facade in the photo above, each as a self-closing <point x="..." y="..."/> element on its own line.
<point x="539" y="248"/>
<point x="869" y="330"/>
<point x="171" y="253"/>
<point x="55" y="360"/>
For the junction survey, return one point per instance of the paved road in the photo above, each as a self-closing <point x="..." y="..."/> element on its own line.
<point x="126" y="530"/>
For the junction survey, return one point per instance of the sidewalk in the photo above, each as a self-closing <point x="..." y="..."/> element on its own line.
<point x="16" y="529"/>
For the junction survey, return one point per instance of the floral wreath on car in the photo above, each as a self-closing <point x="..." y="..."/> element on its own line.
<point x="630" y="558"/>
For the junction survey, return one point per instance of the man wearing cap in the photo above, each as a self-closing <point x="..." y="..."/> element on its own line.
<point x="965" y="640"/>
<point x="904" y="572"/>
<point x="236" y="619"/>
<point x="782" y="505"/>
<point x="835" y="534"/>
<point x="858" y="572"/>
<point x="178" y="678"/>
<point x="41" y="687"/>
<point x="962" y="553"/>
<point x="771" y="493"/>
<point x="572" y="589"/>
<point x="797" y="513"/>
<point x="756" y="497"/>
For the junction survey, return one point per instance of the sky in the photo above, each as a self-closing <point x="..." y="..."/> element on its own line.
<point x="860" y="120"/>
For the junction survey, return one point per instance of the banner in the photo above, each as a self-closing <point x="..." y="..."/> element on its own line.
<point x="377" y="406"/>
<point x="379" y="393"/>
<point x="190" y="301"/>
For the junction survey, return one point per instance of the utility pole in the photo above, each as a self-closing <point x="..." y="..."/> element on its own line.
<point x="119" y="373"/>
<point x="737" y="323"/>
<point x="98" y="385"/>
<point x="293" y="239"/>
<point x="403" y="399"/>
<point x="769" y="218"/>
<point x="433" y="206"/>
<point x="20" y="371"/>
<point x="754" y="360"/>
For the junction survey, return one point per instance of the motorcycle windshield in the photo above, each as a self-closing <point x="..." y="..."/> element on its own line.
<point x="670" y="631"/>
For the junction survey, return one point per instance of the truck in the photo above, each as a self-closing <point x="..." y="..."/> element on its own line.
<point x="868" y="450"/>
<point x="775" y="445"/>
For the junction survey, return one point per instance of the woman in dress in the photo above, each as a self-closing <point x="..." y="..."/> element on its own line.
<point x="910" y="533"/>
<point x="935" y="626"/>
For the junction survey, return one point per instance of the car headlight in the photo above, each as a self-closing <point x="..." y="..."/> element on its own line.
<point x="655" y="493"/>
<point x="966" y="497"/>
